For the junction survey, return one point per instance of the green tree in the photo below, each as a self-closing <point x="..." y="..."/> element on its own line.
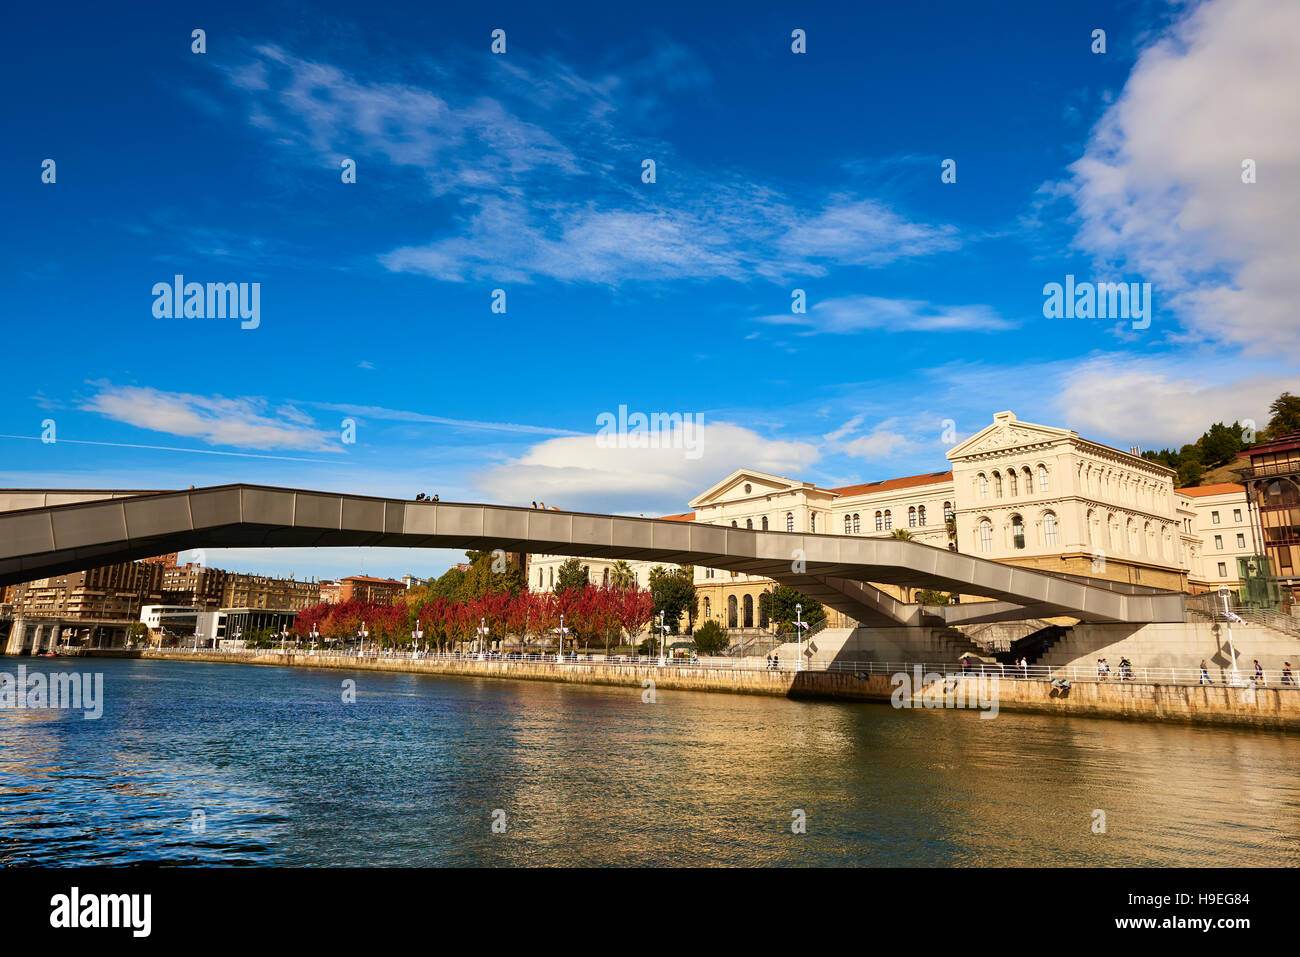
<point x="710" y="638"/>
<point x="779" y="605"/>
<point x="483" y="577"/>
<point x="673" y="593"/>
<point x="1285" y="412"/>
<point x="448" y="585"/>
<point x="1189" y="473"/>
<point x="1221" y="443"/>
<point x="931" y="596"/>
<point x="621" y="575"/>
<point x="572" y="576"/>
<point x="901" y="533"/>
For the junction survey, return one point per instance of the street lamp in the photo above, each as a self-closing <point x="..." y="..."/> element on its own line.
<point x="482" y="630"/>
<point x="363" y="635"/>
<point x="799" y="625"/>
<point x="559" y="641"/>
<point x="416" y="637"/>
<point x="663" y="637"/>
<point x="284" y="636"/>
<point x="314" y="635"/>
<point x="1229" y="617"/>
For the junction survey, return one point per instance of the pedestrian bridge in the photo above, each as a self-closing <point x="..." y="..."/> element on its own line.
<point x="48" y="532"/>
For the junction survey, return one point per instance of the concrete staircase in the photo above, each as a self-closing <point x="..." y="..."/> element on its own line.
<point x="898" y="644"/>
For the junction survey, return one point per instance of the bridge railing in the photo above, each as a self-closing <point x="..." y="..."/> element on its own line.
<point x="1245" y="677"/>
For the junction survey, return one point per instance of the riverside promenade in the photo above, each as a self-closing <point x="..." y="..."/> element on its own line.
<point x="1177" y="698"/>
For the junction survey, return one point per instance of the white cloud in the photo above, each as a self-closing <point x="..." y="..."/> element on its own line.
<point x="514" y="178"/>
<point x="851" y="231"/>
<point x="850" y="426"/>
<point x="576" y="473"/>
<point x="1160" y="402"/>
<point x="1159" y="188"/>
<point x="849" y="314"/>
<point x="879" y="445"/>
<point x="241" y="422"/>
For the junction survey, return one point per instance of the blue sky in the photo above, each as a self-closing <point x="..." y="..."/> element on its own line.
<point x="775" y="171"/>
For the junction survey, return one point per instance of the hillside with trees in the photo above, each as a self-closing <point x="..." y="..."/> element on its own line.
<point x="1220" y="444"/>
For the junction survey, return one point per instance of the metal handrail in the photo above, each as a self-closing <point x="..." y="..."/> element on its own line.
<point x="1274" y="678"/>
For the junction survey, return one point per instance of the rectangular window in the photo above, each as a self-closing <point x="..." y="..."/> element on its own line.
<point x="1214" y="517"/>
<point x="1218" y="542"/>
<point x="1223" y="570"/>
<point x="1241" y="541"/>
<point x="1236" y="515"/>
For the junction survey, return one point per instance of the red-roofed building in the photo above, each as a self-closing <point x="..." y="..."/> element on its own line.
<point x="365" y="588"/>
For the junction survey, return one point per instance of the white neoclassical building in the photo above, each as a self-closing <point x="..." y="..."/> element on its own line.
<point x="1016" y="492"/>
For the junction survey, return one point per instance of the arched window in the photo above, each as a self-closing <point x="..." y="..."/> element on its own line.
<point x="920" y="516"/>
<point x="982" y="484"/>
<point x="947" y="511"/>
<point x="765" y="523"/>
<point x="1132" y="537"/>
<point x="997" y="484"/>
<point x="749" y="611"/>
<point x="1029" y="481"/>
<point x="1013" y="482"/>
<point x="708" y="606"/>
<point x="848" y="524"/>
<point x="911" y="516"/>
<point x="1092" y="535"/>
<point x="1017" y="532"/>
<point x="733" y="524"/>
<point x="880" y="521"/>
<point x="605" y="578"/>
<point x="889" y="519"/>
<point x="539" y="578"/>
<point x="550" y="577"/>
<point x="812" y="521"/>
<point x="857" y="523"/>
<point x="749" y="523"/>
<point x="731" y="611"/>
<point x="1049" y="530"/>
<point x="789" y="521"/>
<point x="1042" y="478"/>
<point x="986" y="535"/>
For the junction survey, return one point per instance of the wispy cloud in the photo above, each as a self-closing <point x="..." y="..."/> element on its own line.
<point x="849" y="314"/>
<point x="513" y="166"/>
<point x="404" y="415"/>
<point x="239" y="422"/>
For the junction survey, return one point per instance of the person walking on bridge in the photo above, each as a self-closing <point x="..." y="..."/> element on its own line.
<point x="1205" y="675"/>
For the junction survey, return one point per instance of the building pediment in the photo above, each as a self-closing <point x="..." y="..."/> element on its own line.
<point x="1007" y="432"/>
<point x="733" y="487"/>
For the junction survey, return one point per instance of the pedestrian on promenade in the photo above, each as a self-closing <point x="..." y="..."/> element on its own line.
<point x="965" y="666"/>
<point x="1205" y="675"/>
<point x="1259" y="672"/>
<point x="1024" y="667"/>
<point x="1287" y="677"/>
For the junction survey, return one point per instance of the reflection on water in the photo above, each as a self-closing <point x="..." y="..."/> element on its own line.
<point x="283" y="772"/>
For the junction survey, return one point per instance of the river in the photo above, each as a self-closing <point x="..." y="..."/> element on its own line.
<point x="216" y="764"/>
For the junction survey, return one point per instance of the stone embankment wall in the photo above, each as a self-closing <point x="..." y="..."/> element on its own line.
<point x="1188" y="704"/>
